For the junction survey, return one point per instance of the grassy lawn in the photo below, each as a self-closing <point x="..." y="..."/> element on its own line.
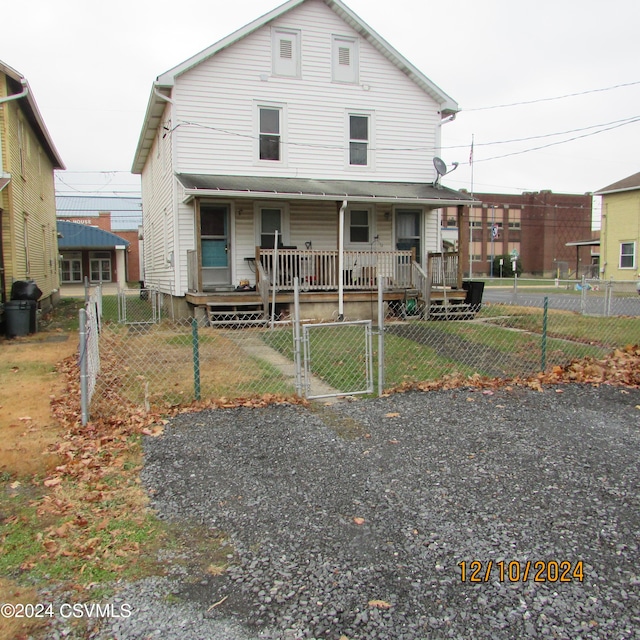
<point x="508" y="342"/>
<point x="608" y="332"/>
<point x="155" y="364"/>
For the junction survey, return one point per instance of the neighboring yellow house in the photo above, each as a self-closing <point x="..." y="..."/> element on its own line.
<point x="28" y="158"/>
<point x="620" y="230"/>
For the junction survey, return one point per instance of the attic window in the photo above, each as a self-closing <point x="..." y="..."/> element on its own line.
<point x="344" y="59"/>
<point x="285" y="52"/>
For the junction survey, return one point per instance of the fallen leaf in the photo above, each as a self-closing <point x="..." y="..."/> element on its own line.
<point x="359" y="521"/>
<point x="392" y="415"/>
<point x="52" y="482"/>
<point x="379" y="604"/>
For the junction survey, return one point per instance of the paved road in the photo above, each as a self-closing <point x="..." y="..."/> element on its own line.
<point x="594" y="301"/>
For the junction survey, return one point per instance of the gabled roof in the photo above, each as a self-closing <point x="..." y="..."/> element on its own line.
<point x="164" y="82"/>
<point x="631" y="183"/>
<point x="72" y="235"/>
<point x="30" y="108"/>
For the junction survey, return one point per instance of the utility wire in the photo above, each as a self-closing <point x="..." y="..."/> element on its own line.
<point x="567" y="95"/>
<point x="553" y="144"/>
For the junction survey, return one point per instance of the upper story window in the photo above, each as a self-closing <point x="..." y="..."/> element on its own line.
<point x="285" y="52"/>
<point x="344" y="59"/>
<point x="359" y="140"/>
<point x="270" y="132"/>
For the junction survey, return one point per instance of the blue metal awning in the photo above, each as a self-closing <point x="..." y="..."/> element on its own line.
<point x="72" y="235"/>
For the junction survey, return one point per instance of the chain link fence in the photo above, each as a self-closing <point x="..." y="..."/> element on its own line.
<point x="156" y="360"/>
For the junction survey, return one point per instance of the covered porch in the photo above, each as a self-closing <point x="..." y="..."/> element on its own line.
<point x="256" y="236"/>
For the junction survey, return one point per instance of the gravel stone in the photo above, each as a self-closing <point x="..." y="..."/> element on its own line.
<point x="352" y="520"/>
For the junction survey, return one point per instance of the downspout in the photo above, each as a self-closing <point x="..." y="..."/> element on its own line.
<point x="341" y="261"/>
<point x="15" y="96"/>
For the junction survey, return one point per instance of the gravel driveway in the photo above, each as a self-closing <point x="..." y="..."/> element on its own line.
<point x="358" y="520"/>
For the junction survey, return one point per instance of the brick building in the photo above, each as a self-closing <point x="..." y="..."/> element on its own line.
<point x="535" y="226"/>
<point x="119" y="215"/>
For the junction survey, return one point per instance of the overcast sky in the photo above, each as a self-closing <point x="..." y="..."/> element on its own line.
<point x="91" y="64"/>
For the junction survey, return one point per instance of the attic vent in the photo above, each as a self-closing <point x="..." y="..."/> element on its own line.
<point x="286" y="49"/>
<point x="344" y="56"/>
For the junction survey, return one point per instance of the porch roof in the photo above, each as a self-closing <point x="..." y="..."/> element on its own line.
<point x="311" y="189"/>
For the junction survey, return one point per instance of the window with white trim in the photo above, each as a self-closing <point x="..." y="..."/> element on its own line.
<point x="270" y="133"/>
<point x="269" y="219"/>
<point x="285" y="52"/>
<point x="359" y="226"/>
<point x="627" y="255"/>
<point x="344" y="59"/>
<point x="359" y="140"/>
<point x="71" y="267"/>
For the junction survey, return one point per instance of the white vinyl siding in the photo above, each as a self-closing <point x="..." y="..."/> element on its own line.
<point x="164" y="236"/>
<point x="215" y="108"/>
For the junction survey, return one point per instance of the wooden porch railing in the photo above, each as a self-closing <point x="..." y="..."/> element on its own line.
<point x="318" y="270"/>
<point x="444" y="270"/>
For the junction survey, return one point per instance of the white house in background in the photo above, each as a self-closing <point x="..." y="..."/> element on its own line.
<point x="306" y="123"/>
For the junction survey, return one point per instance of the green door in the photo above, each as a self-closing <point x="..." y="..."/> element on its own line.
<point x="215" y="246"/>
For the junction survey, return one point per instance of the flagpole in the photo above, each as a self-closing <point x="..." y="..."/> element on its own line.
<point x="471" y="216"/>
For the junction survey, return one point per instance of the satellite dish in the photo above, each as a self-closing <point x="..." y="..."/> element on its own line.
<point x="440" y="166"/>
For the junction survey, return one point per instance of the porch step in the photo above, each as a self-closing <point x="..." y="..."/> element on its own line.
<point x="453" y="311"/>
<point x="248" y="314"/>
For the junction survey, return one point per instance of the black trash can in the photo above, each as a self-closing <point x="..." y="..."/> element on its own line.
<point x="17" y="317"/>
<point x="474" y="293"/>
<point x="27" y="291"/>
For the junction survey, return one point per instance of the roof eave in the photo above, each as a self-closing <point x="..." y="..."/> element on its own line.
<point x="612" y="191"/>
<point x="30" y="102"/>
<point x="190" y="194"/>
<point x="151" y="123"/>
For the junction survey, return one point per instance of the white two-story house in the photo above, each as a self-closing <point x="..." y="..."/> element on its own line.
<point x="307" y="126"/>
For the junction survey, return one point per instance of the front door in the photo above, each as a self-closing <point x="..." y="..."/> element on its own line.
<point x="215" y="246"/>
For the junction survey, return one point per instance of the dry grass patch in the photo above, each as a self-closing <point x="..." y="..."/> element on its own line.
<point x="28" y="380"/>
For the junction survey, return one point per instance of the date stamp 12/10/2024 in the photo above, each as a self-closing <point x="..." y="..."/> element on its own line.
<point x="516" y="571"/>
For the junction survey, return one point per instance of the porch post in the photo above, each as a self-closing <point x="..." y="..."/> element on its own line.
<point x="462" y="239"/>
<point x="341" y="261"/>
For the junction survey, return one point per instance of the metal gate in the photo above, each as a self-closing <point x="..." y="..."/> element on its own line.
<point x="338" y="359"/>
<point x="138" y="306"/>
